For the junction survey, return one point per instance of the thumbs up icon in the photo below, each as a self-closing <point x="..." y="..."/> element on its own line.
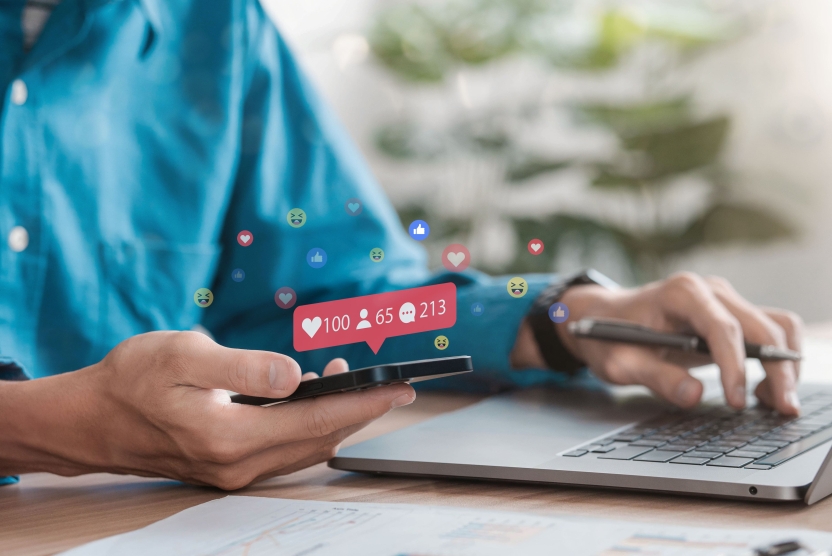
<point x="558" y="312"/>
<point x="419" y="230"/>
<point x="316" y="258"/>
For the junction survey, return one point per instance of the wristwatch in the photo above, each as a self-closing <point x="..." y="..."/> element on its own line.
<point x="554" y="353"/>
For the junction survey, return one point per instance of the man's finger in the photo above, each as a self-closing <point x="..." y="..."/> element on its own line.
<point x="759" y="328"/>
<point x="206" y="364"/>
<point x="792" y="324"/>
<point x="337" y="365"/>
<point x="251" y="429"/>
<point x="639" y="365"/>
<point x="688" y="299"/>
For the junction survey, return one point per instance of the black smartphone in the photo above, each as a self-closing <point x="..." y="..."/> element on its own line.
<point x="359" y="379"/>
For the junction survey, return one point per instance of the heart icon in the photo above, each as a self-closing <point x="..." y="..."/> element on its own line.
<point x="456" y="258"/>
<point x="353" y="207"/>
<point x="535" y="246"/>
<point x="285" y="298"/>
<point x="246" y="238"/>
<point x="311" y="326"/>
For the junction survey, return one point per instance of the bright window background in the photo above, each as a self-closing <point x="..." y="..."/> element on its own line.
<point x="773" y="81"/>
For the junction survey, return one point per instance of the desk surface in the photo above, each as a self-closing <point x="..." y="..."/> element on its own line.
<point x="45" y="514"/>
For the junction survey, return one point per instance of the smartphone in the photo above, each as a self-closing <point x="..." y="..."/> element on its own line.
<point x="360" y="379"/>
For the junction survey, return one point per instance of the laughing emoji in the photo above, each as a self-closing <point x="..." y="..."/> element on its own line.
<point x="203" y="297"/>
<point x="376" y="255"/>
<point x="296" y="218"/>
<point x="517" y="287"/>
<point x="441" y="342"/>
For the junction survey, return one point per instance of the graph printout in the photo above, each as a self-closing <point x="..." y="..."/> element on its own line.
<point x="253" y="526"/>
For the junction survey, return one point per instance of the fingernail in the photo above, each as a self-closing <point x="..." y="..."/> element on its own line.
<point x="793" y="400"/>
<point x="739" y="394"/>
<point x="404" y="399"/>
<point x="277" y="380"/>
<point x="686" y="392"/>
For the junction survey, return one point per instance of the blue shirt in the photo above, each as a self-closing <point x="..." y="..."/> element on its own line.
<point x="138" y="137"/>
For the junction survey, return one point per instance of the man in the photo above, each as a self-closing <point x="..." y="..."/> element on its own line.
<point x="139" y="138"/>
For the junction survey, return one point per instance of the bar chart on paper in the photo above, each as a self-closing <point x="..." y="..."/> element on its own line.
<point x="252" y="526"/>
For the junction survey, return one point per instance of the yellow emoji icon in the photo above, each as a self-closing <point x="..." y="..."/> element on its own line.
<point x="203" y="297"/>
<point x="296" y="218"/>
<point x="441" y="342"/>
<point x="376" y="255"/>
<point x="517" y="287"/>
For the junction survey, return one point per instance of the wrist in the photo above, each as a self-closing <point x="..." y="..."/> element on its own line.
<point x="43" y="424"/>
<point x="584" y="301"/>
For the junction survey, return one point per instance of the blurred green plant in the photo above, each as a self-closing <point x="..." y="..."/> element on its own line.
<point x="660" y="137"/>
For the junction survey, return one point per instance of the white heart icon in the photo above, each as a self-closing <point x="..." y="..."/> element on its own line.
<point x="245" y="238"/>
<point x="535" y="246"/>
<point x="285" y="298"/>
<point x="310" y="326"/>
<point x="456" y="258"/>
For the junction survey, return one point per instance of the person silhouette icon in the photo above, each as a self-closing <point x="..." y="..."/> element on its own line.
<point x="364" y="323"/>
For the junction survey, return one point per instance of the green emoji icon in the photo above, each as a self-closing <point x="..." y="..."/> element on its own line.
<point x="203" y="297"/>
<point x="441" y="342"/>
<point x="376" y="255"/>
<point x="517" y="287"/>
<point x="296" y="218"/>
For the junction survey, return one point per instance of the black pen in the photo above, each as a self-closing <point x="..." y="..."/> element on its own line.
<point x="631" y="333"/>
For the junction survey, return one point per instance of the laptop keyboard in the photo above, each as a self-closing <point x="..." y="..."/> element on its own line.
<point x="754" y="438"/>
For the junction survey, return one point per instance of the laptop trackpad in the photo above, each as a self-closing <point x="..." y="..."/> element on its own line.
<point x="521" y="429"/>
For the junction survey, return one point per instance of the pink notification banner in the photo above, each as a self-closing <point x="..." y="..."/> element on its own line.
<point x="374" y="318"/>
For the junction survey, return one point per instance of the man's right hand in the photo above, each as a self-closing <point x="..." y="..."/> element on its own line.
<point x="157" y="406"/>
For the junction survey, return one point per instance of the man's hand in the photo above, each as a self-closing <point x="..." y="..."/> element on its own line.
<point x="708" y="307"/>
<point x="157" y="406"/>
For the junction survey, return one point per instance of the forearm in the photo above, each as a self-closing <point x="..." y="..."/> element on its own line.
<point x="44" y="426"/>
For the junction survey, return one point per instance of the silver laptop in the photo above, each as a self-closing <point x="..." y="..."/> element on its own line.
<point x="614" y="439"/>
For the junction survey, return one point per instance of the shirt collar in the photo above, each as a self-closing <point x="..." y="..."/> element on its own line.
<point x="152" y="11"/>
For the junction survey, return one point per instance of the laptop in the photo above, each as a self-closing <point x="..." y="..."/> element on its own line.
<point x="617" y="438"/>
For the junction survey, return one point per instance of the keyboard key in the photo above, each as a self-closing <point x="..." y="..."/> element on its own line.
<point x="775" y="443"/>
<point x="725" y="461"/>
<point x="679" y="447"/>
<point x="624" y="437"/>
<point x="627" y="452"/>
<point x="757" y="466"/>
<point x="702" y="454"/>
<point x="686" y="460"/>
<point x="648" y="442"/>
<point x="797" y="448"/>
<point x="757" y="447"/>
<point x="605" y="442"/>
<point x="575" y="453"/>
<point x="601" y="449"/>
<point x="744" y="454"/>
<point x="661" y="456"/>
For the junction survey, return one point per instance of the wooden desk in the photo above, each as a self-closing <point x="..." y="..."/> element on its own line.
<point x="45" y="514"/>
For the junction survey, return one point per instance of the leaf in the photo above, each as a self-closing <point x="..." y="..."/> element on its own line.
<point x="404" y="140"/>
<point x="407" y="40"/>
<point x="679" y="149"/>
<point x="726" y="223"/>
<point x="630" y="119"/>
<point x="527" y="166"/>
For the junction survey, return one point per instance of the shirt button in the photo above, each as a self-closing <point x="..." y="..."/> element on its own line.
<point x="19" y="92"/>
<point x="18" y="239"/>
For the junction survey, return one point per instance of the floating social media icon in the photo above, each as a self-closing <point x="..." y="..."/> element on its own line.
<point x="376" y="255"/>
<point x="419" y="230"/>
<point x="203" y="297"/>
<point x="558" y="312"/>
<point x="456" y="257"/>
<point x="245" y="238"/>
<point x="535" y="247"/>
<point x="316" y="257"/>
<point x="441" y="342"/>
<point x="477" y="309"/>
<point x="407" y="312"/>
<point x="372" y="318"/>
<point x="285" y="298"/>
<point x="517" y="287"/>
<point x="353" y="207"/>
<point x="296" y="217"/>
<point x="238" y="274"/>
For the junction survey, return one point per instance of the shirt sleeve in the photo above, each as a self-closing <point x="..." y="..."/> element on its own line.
<point x="295" y="154"/>
<point x="9" y="370"/>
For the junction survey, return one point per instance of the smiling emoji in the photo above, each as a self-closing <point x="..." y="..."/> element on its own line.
<point x="441" y="342"/>
<point x="296" y="218"/>
<point x="203" y="297"/>
<point x="517" y="287"/>
<point x="376" y="255"/>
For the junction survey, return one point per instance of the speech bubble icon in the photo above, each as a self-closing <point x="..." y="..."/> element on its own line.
<point x="407" y="312"/>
